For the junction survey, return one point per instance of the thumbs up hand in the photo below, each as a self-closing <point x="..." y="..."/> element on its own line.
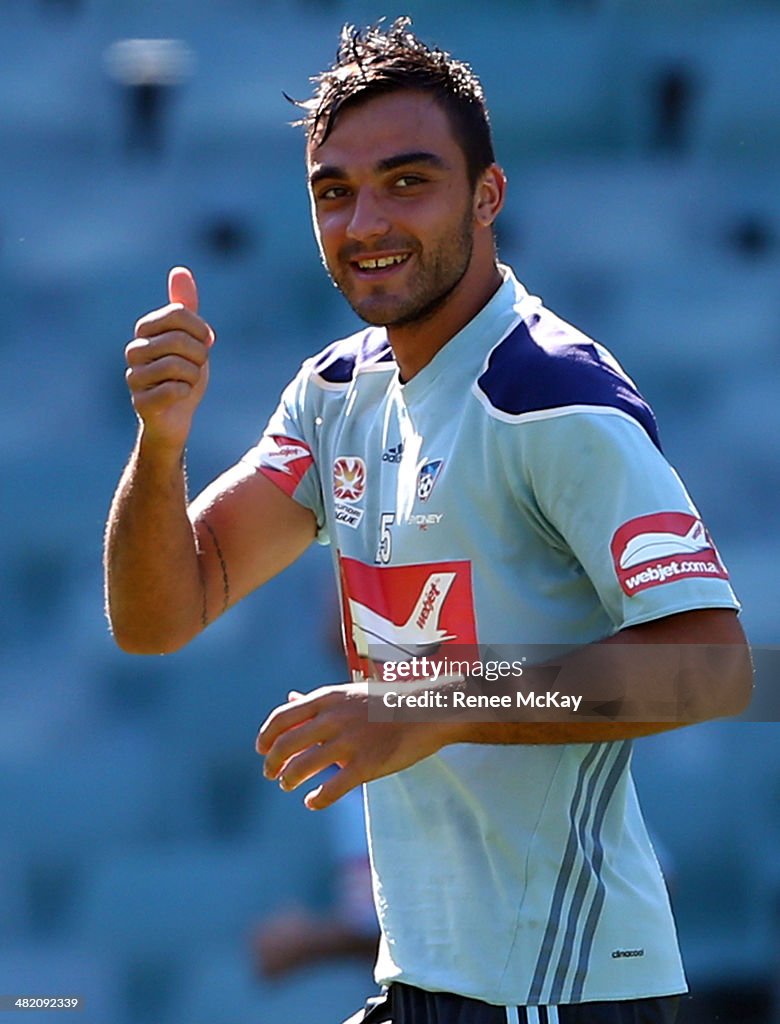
<point x="167" y="364"/>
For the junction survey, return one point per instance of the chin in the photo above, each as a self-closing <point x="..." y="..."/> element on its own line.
<point x="377" y="316"/>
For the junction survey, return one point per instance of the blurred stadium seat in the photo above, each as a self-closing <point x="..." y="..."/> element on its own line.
<point x="711" y="794"/>
<point x="154" y="909"/>
<point x="222" y="990"/>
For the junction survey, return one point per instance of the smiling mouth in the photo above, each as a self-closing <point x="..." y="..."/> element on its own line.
<point x="380" y="262"/>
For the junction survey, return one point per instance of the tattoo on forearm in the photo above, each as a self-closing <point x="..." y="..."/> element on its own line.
<point x="225" y="581"/>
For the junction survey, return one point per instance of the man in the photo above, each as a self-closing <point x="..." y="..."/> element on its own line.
<point x="485" y="475"/>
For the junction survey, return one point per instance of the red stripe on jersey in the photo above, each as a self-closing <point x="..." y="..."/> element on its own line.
<point x="284" y="460"/>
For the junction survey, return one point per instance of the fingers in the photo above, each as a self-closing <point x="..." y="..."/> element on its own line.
<point x="311" y="762"/>
<point x="286" y="716"/>
<point x="182" y="288"/>
<point x="143" y="351"/>
<point x="174" y="317"/>
<point x="307" y="764"/>
<point x="169" y="369"/>
<point x="312" y="732"/>
<point x="333" y="789"/>
<point x="293" y="741"/>
<point x="171" y="358"/>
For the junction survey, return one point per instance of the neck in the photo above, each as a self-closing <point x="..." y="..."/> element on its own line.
<point x="414" y="345"/>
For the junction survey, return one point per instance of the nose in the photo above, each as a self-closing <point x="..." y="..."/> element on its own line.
<point x="368" y="218"/>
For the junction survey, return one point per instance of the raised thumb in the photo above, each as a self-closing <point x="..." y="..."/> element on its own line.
<point x="182" y="288"/>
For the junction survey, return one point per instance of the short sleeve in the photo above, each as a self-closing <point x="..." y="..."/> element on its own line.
<point x="605" y="491"/>
<point x="286" y="453"/>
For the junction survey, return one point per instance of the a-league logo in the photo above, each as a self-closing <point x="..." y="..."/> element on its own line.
<point x="349" y="478"/>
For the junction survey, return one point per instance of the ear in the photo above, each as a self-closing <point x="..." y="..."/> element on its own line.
<point x="489" y="195"/>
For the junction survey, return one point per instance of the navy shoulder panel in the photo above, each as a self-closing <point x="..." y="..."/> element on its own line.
<point x="339" y="362"/>
<point x="547" y="364"/>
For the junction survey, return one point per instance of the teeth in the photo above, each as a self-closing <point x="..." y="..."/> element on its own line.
<point x="380" y="262"/>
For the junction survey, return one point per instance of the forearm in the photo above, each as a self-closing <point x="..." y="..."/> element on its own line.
<point x="537" y="733"/>
<point x="647" y="679"/>
<point x="154" y="590"/>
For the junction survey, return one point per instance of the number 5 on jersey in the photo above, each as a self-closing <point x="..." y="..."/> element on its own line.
<point x="385" y="546"/>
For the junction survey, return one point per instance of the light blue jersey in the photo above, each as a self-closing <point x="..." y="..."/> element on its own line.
<point x="512" y="493"/>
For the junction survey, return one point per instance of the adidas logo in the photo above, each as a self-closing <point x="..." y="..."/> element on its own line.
<point x="394" y="454"/>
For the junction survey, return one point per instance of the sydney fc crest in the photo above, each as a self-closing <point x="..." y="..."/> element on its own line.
<point x="427" y="477"/>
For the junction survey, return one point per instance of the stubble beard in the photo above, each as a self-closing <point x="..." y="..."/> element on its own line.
<point x="437" y="277"/>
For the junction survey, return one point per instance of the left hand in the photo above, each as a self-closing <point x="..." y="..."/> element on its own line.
<point x="332" y="726"/>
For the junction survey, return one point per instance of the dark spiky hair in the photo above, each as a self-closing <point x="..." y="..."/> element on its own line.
<point x="377" y="60"/>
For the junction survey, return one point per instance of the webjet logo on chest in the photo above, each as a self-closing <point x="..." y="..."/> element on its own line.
<point x="400" y="612"/>
<point x="663" y="547"/>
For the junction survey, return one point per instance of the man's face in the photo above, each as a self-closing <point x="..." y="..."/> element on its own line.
<point x="393" y="207"/>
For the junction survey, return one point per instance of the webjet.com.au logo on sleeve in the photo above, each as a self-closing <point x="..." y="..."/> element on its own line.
<point x="664" y="546"/>
<point x="663" y="571"/>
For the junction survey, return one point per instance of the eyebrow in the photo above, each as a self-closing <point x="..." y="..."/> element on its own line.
<point x="389" y="163"/>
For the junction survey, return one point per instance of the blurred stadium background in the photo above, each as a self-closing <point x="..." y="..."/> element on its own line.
<point x="642" y="143"/>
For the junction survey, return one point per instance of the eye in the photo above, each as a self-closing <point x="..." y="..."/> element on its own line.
<point x="332" y="192"/>
<point x="408" y="180"/>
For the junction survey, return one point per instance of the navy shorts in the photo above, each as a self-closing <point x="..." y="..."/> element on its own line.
<point x="404" y="1004"/>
